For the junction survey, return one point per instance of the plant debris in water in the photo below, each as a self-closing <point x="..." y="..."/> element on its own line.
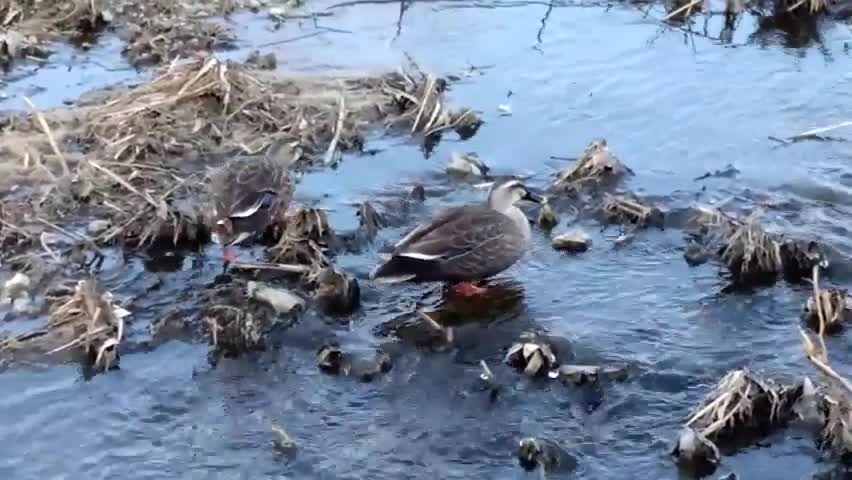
<point x="596" y="167"/>
<point x="544" y="454"/>
<point x="131" y="157"/>
<point x="154" y="32"/>
<point x="741" y="408"/>
<point x="238" y="316"/>
<point x="752" y="255"/>
<point x="363" y="366"/>
<point x="533" y="354"/>
<point x="464" y="164"/>
<point x="83" y="323"/>
<point x="631" y="210"/>
<point x="833" y="307"/>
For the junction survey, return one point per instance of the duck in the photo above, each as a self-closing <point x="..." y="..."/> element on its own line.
<point x="464" y="245"/>
<point x="246" y="196"/>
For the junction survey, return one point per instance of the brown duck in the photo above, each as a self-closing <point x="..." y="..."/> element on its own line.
<point x="462" y="245"/>
<point x="246" y="196"/>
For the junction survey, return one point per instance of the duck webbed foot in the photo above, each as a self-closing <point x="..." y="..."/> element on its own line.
<point x="228" y="254"/>
<point x="467" y="289"/>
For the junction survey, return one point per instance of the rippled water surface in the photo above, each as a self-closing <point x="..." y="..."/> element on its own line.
<point x="673" y="106"/>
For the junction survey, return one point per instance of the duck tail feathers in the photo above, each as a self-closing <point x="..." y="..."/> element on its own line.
<point x="401" y="269"/>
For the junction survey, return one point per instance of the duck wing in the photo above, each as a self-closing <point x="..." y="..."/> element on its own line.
<point x="460" y="243"/>
<point x="252" y="202"/>
<point x="245" y="186"/>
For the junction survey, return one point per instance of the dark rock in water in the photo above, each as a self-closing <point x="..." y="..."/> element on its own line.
<point x="337" y="292"/>
<point x="574" y="241"/>
<point x="367" y="369"/>
<point x="364" y="366"/>
<point x="799" y="258"/>
<point x="330" y="358"/>
<point x="696" y="254"/>
<point x="695" y="454"/>
<point x="417" y="194"/>
<point x="547" y="454"/>
<point x="466" y="164"/>
<point x="370" y="220"/>
<point x="729" y="171"/>
<point x="263" y="62"/>
<point x="583" y="374"/>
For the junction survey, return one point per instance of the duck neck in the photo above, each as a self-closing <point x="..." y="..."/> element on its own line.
<point x="520" y="220"/>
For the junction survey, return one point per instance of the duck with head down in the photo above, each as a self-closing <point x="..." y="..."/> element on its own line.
<point x="464" y="244"/>
<point x="247" y="196"/>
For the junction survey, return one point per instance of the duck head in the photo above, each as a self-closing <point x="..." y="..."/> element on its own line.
<point x="504" y="195"/>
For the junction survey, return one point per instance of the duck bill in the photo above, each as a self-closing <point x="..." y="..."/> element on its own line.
<point x="533" y="198"/>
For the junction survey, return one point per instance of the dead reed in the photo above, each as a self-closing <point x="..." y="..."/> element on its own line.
<point x="597" y="166"/>
<point x="752" y="255"/>
<point x="134" y="156"/>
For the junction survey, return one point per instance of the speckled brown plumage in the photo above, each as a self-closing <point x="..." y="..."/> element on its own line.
<point x="246" y="196"/>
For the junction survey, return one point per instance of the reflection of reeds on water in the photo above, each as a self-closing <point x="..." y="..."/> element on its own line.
<point x="795" y="22"/>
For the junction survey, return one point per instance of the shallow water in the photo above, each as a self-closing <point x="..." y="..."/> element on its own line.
<point x="673" y="107"/>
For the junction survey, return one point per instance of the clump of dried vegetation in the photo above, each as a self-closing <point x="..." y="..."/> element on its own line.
<point x="237" y="316"/>
<point x="83" y="324"/>
<point x="158" y="31"/>
<point x="683" y="10"/>
<point x="131" y="156"/>
<point x="631" y="210"/>
<point x="742" y="408"/>
<point x="752" y="255"/>
<point x="154" y="32"/>
<point x="306" y="241"/>
<point x="835" y="403"/>
<point x="827" y="307"/>
<point x="596" y="167"/>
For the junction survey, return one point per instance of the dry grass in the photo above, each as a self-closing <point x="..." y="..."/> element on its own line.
<point x="306" y="241"/>
<point x="837" y="402"/>
<point x="631" y="210"/>
<point x="28" y="26"/>
<point x="827" y="307"/>
<point x="233" y="321"/>
<point x="158" y="31"/>
<point x="237" y="320"/>
<point x="751" y="254"/>
<point x="81" y="321"/>
<point x="135" y="156"/>
<point x="683" y="10"/>
<point x="596" y="166"/>
<point x="154" y="32"/>
<point x="743" y="406"/>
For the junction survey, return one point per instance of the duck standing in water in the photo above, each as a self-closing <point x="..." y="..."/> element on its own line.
<point x="246" y="196"/>
<point x="462" y="245"/>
